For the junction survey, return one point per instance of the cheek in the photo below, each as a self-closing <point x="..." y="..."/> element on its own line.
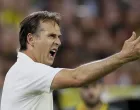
<point x="46" y="42"/>
<point x="41" y="45"/>
<point x="84" y="94"/>
<point x="98" y="92"/>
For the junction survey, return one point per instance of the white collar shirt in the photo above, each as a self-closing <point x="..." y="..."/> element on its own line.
<point x="27" y="85"/>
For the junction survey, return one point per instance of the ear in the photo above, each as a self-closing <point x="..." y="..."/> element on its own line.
<point x="30" y="39"/>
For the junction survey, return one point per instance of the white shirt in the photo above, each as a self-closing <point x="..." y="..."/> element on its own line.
<point x="27" y="85"/>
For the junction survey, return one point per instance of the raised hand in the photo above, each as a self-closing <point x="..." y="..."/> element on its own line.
<point x="131" y="48"/>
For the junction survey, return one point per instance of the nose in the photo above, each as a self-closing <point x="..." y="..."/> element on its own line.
<point x="58" y="41"/>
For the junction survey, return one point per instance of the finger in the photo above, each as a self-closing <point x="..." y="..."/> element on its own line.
<point x="133" y="37"/>
<point x="137" y="40"/>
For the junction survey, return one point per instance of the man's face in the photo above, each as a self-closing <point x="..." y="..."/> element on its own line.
<point x="91" y="94"/>
<point x="47" y="42"/>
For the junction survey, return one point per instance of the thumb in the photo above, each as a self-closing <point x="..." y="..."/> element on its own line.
<point x="133" y="37"/>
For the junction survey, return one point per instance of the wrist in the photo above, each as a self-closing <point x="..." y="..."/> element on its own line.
<point x="124" y="57"/>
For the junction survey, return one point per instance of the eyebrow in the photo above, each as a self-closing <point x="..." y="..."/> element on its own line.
<point x="54" y="34"/>
<point x="49" y="33"/>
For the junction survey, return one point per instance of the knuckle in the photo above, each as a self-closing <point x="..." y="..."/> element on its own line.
<point x="134" y="44"/>
<point x="127" y="41"/>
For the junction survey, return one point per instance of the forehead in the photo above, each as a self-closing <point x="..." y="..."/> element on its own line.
<point x="95" y="84"/>
<point x="49" y="27"/>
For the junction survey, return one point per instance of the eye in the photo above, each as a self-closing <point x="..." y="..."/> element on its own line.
<point x="59" y="36"/>
<point x="52" y="35"/>
<point x="85" y="87"/>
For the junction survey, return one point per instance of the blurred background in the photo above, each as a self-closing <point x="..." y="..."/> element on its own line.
<point x="91" y="30"/>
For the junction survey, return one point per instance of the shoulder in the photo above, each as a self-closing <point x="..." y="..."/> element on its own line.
<point x="29" y="66"/>
<point x="46" y="68"/>
<point x="42" y="67"/>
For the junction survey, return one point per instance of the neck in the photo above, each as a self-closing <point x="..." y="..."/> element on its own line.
<point x="29" y="54"/>
<point x="96" y="107"/>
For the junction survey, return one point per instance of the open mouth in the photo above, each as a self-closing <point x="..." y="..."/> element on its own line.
<point x="53" y="52"/>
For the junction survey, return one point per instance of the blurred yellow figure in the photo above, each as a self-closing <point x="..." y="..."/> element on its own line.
<point x="82" y="106"/>
<point x="88" y="99"/>
<point x="90" y="94"/>
<point x="69" y="98"/>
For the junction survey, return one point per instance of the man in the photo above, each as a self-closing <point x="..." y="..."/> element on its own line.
<point x="90" y="95"/>
<point x="30" y="81"/>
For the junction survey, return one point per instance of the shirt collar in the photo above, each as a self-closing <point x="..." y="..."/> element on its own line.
<point x="22" y="55"/>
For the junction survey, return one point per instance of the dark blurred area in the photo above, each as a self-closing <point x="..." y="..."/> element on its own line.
<point x="91" y="30"/>
<point x="125" y="105"/>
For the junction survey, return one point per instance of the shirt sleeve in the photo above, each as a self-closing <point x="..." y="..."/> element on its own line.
<point x="40" y="77"/>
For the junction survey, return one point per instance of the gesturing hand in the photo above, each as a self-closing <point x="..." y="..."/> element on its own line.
<point x="131" y="48"/>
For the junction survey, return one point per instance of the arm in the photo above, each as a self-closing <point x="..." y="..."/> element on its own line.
<point x="92" y="71"/>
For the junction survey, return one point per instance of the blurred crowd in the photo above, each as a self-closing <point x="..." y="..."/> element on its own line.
<point x="91" y="30"/>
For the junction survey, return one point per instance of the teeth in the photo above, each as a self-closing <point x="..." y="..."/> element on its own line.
<point x="54" y="50"/>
